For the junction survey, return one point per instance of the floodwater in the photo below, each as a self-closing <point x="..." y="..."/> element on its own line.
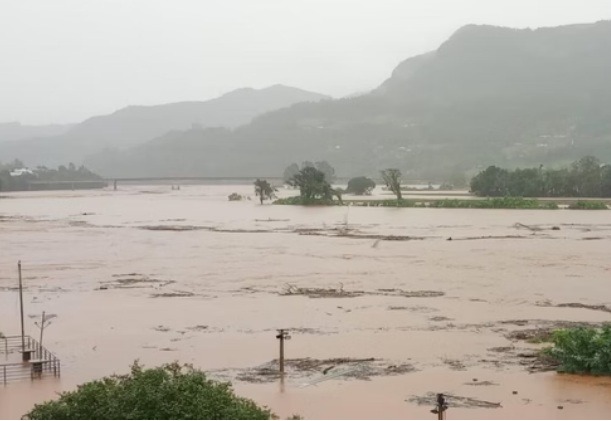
<point x="126" y="283"/>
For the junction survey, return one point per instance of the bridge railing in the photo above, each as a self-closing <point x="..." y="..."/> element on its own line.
<point x="42" y="362"/>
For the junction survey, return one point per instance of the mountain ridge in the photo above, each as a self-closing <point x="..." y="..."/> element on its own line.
<point x="487" y="95"/>
<point x="132" y="125"/>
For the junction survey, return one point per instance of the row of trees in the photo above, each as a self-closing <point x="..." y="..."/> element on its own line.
<point x="586" y="177"/>
<point x="314" y="182"/>
<point x="10" y="182"/>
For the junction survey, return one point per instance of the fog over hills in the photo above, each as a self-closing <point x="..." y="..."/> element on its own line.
<point x="134" y="125"/>
<point x="488" y="95"/>
<point x="16" y="131"/>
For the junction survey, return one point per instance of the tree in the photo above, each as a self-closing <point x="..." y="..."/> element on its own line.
<point x="327" y="169"/>
<point x="172" y="391"/>
<point x="586" y="175"/>
<point x="360" y="186"/>
<point x="312" y="185"/>
<point x="290" y="172"/>
<point x="491" y="182"/>
<point x="392" y="179"/>
<point x="264" y="190"/>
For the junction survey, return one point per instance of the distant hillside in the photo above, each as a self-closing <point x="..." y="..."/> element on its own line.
<point x="133" y="125"/>
<point x="488" y="95"/>
<point x="16" y="131"/>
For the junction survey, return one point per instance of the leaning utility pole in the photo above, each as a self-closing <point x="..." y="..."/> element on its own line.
<point x="44" y="322"/>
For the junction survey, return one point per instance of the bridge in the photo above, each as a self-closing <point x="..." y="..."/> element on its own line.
<point x="116" y="180"/>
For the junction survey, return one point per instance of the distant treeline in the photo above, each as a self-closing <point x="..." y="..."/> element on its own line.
<point x="587" y="177"/>
<point x="43" y="178"/>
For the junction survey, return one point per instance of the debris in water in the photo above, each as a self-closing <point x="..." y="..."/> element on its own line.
<point x="430" y="399"/>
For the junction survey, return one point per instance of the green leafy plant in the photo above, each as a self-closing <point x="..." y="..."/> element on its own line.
<point x="582" y="350"/>
<point x="172" y="391"/>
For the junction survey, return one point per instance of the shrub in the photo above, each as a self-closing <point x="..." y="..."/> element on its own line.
<point x="172" y="391"/>
<point x="235" y="196"/>
<point x="360" y="186"/>
<point x="582" y="350"/>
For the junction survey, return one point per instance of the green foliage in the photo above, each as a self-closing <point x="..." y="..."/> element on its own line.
<point x="299" y="201"/>
<point x="171" y="391"/>
<point x="588" y="205"/>
<point x="264" y="190"/>
<point x="392" y="179"/>
<point x="582" y="350"/>
<point x="495" y="203"/>
<point x="323" y="166"/>
<point x="360" y="186"/>
<point x="586" y="177"/>
<point x="312" y="185"/>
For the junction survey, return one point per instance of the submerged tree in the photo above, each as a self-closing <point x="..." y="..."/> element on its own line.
<point x="264" y="190"/>
<point x="360" y="186"/>
<point x="392" y="179"/>
<point x="290" y="172"/>
<point x="312" y="185"/>
<point x="172" y="391"/>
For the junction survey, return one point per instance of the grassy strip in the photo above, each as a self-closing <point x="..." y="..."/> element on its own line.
<point x="297" y="200"/>
<point x="491" y="203"/>
<point x="588" y="205"/>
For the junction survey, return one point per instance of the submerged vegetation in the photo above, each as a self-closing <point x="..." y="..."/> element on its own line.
<point x="586" y="177"/>
<point x="264" y="190"/>
<point x="582" y="350"/>
<point x="491" y="203"/>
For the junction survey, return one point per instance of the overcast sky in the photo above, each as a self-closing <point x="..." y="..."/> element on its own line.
<point x="65" y="60"/>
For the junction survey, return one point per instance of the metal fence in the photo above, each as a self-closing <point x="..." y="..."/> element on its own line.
<point x="42" y="362"/>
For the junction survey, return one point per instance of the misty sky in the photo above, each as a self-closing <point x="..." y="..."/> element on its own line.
<point x="65" y="60"/>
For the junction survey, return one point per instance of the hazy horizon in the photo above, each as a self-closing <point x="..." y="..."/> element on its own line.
<point x="69" y="60"/>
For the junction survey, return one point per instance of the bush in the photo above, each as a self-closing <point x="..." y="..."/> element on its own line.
<point x="235" y="197"/>
<point x="172" y="391"/>
<point x="588" y="205"/>
<point x="360" y="186"/>
<point x="582" y="350"/>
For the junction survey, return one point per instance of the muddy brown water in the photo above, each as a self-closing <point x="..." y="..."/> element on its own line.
<point x="208" y="286"/>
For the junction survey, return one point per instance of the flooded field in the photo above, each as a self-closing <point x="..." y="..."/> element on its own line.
<point x="385" y="306"/>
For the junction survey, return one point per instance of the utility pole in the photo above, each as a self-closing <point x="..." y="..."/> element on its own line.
<point x="441" y="407"/>
<point x="44" y="322"/>
<point x="282" y="335"/>
<point x="21" y="309"/>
